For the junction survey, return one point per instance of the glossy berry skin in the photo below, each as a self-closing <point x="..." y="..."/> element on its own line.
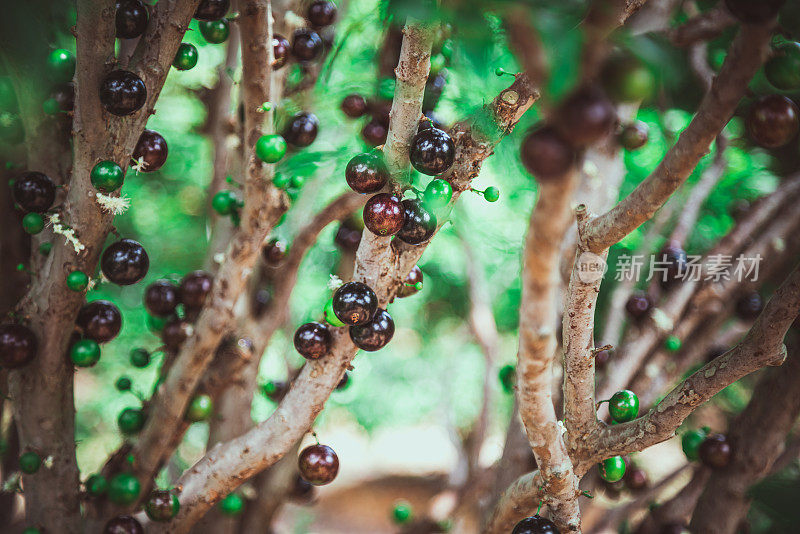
<point x="635" y="478"/>
<point x="29" y="462"/>
<point x="77" y="281"/>
<point x="280" y="51"/>
<point x="161" y="505"/>
<point x="412" y="284"/>
<point x="623" y="406"/>
<point x="270" y="148"/>
<point x="212" y="9"/>
<point x="84" y="353"/>
<point x="186" y="57"/>
<point x="546" y="155"/>
<point x="34" y="191"/>
<point x="231" y="505"/>
<point x="100" y="320"/>
<point x="750" y="12"/>
<point x="18" y="345"/>
<point x="131" y="19"/>
<point x="302" y="129"/>
<point x="638" y="305"/>
<point x="123" y="383"/>
<point x="401" y="512"/>
<point x="321" y="13"/>
<point x="312" y="340"/>
<point x="419" y="224"/>
<point x="175" y="332"/>
<point x="161" y="297"/>
<point x="773" y="121"/>
<point x="783" y="69"/>
<point x="438" y="194"/>
<point x="432" y="151"/>
<point x="375" y="334"/>
<point x="634" y="135"/>
<point x="749" y="306"/>
<point x="33" y="223"/>
<point x="200" y="408"/>
<point x="130" y="421"/>
<point x="715" y="451"/>
<point x="690" y="443"/>
<point x="318" y="464"/>
<point x="224" y="202"/>
<point x="535" y="525"/>
<point x="306" y="45"/>
<point x="96" y="485"/>
<point x="61" y="65"/>
<point x="612" y="469"/>
<point x="122" y="93"/>
<point x="123" y="524"/>
<point x="194" y="289"/>
<point x="354" y="106"/>
<point x="107" y="176"/>
<point x="347" y="237"/>
<point x="366" y="173"/>
<point x="384" y="214"/>
<point x="125" y="262"/>
<point x="374" y="132"/>
<point x="123" y="489"/>
<point x="215" y="31"/>
<point x="355" y="303"/>
<point x="586" y="116"/>
<point x="151" y="148"/>
<point x="139" y="358"/>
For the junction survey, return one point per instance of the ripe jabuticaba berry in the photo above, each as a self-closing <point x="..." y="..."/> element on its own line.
<point x="318" y="464"/>
<point x="125" y="262"/>
<point x="18" y="345"/>
<point x="99" y="320"/>
<point x="280" y="51"/>
<point x="312" y="340"/>
<point x="176" y="331"/>
<point x="374" y="132"/>
<point x="123" y="524"/>
<point x="302" y="129"/>
<point x="412" y="284"/>
<point x="419" y="224"/>
<point x="215" y="31"/>
<point x="161" y="297"/>
<point x="634" y="135"/>
<point x="151" y="149"/>
<point x="384" y="214"/>
<point x="161" y="505"/>
<point x="354" y="106"/>
<point x="750" y="12"/>
<point x="772" y="121"/>
<point x="355" y="303"/>
<point x="635" y="478"/>
<point x="434" y="88"/>
<point x="348" y="236"/>
<point x="366" y="173"/>
<point x="122" y="93"/>
<point x="274" y="252"/>
<point x="715" y="452"/>
<point x="194" y="289"/>
<point x="34" y="191"/>
<point x="585" y="116"/>
<point x="375" y="334"/>
<point x="131" y="19"/>
<point x="783" y="68"/>
<point x="321" y="13"/>
<point x="380" y="110"/>
<point x="212" y="9"/>
<point x="535" y="525"/>
<point x="749" y="306"/>
<point x="638" y="305"/>
<point x="546" y="154"/>
<point x="432" y="151"/>
<point x="306" y="45"/>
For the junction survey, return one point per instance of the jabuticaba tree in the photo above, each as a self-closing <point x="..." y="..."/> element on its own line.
<point x="240" y="236"/>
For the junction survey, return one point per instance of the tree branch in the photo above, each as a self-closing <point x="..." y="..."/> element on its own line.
<point x="516" y="502"/>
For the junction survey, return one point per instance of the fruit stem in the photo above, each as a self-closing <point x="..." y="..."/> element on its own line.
<point x="500" y="71"/>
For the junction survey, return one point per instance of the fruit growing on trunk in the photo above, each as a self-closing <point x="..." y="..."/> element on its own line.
<point x="122" y="93"/>
<point x="200" y="408"/>
<point x="419" y="224"/>
<point x="185" y="57"/>
<point x="84" y="353"/>
<point x="150" y="149"/>
<point x="612" y="469"/>
<point x="432" y="151"/>
<point x="354" y="106"/>
<point x="302" y="129"/>
<point x="123" y="524"/>
<point x="715" y="451"/>
<point x="107" y="176"/>
<point x="34" y="191"/>
<point x="306" y="45"/>
<point x="270" y="148"/>
<point x="162" y="505"/>
<point x="634" y="135"/>
<point x="194" y="289"/>
<point x="623" y="406"/>
<point x="384" y="214"/>
<point x="546" y="155"/>
<point x="772" y="121"/>
<point x="366" y="173"/>
<point x="29" y="462"/>
<point x="215" y="31"/>
<point x="123" y="489"/>
<point x="130" y="421"/>
<point x="211" y="9"/>
<point x="355" y="303"/>
<point x="131" y="19"/>
<point x="375" y="334"/>
<point x="312" y="340"/>
<point x="125" y="262"/>
<point x="321" y="13"/>
<point x="586" y="116"/>
<point x="161" y="297"/>
<point x="318" y="464"/>
<point x="535" y="525"/>
<point x="100" y="320"/>
<point x="412" y="284"/>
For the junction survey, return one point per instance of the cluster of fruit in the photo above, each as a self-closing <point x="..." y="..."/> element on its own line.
<point x="712" y="450"/>
<point x="535" y="524"/>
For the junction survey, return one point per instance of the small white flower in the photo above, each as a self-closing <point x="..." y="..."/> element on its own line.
<point x="48" y="462"/>
<point x="334" y="282"/>
<point x="11" y="484"/>
<point x="116" y="205"/>
<point x="140" y="165"/>
<point x="219" y="257"/>
<point x="562" y="428"/>
<point x="68" y="233"/>
<point x="662" y="320"/>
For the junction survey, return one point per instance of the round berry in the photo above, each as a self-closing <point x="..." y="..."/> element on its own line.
<point x="122" y="93"/>
<point x="772" y="121"/>
<point x="508" y="377"/>
<point x="432" y="151"/>
<point x="612" y="469"/>
<point x="99" y="320"/>
<point x="194" y="289"/>
<point x="348" y="236"/>
<point x="123" y="489"/>
<point x="749" y="306"/>
<point x="690" y="443"/>
<point x="492" y="194"/>
<point x="123" y="524"/>
<point x="302" y="129"/>
<point x="185" y="57"/>
<point x="18" y="345"/>
<point x="750" y="12"/>
<point x="636" y="478"/>
<point x="212" y="9"/>
<point x="280" y="51"/>
<point x="231" y="505"/>
<point x="281" y="181"/>
<point x="384" y="214"/>
<point x="123" y="383"/>
<point x="306" y="45"/>
<point x="130" y="421"/>
<point x="224" y="202"/>
<point x="151" y="148"/>
<point x="380" y="110"/>
<point x="375" y="334"/>
<point x="77" y="280"/>
<point x="366" y="173"/>
<point x="546" y="155"/>
<point x="638" y="305"/>
<point x="131" y="19"/>
<point x="626" y="79"/>
<point x="535" y="525"/>
<point x="61" y="65"/>
<point x="161" y="297"/>
<point x="401" y="512"/>
<point x="585" y="117"/>
<point x="161" y="505"/>
<point x="270" y="148"/>
<point x="419" y="224"/>
<point x="215" y="31"/>
<point x="33" y="223"/>
<point x="412" y="284"/>
<point x="623" y="406"/>
<point x="673" y="343"/>
<point x="374" y="132"/>
<point x="355" y="303"/>
<point x="176" y="331"/>
<point x="330" y="317"/>
<point x="140" y="358"/>
<point x="85" y="353"/>
<point x="318" y="464"/>
<point x="438" y="194"/>
<point x="34" y="191"/>
<point x="321" y="13"/>
<point x="107" y="176"/>
<point x="312" y="340"/>
<point x="783" y="68"/>
<point x="29" y="462"/>
<point x="634" y="135"/>
<point x="200" y="408"/>
<point x="715" y="451"/>
<point x="96" y="485"/>
<point x="125" y="262"/>
<point x="354" y="106"/>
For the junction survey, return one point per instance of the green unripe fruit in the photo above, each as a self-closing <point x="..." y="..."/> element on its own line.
<point x="224" y="202"/>
<point x="401" y="513"/>
<point x="31" y="530"/>
<point x="623" y="406"/>
<point x="123" y="383"/>
<point x="124" y="489"/>
<point x="231" y="505"/>
<point x="33" y="223"/>
<point x="508" y="377"/>
<point x="690" y="443"/>
<point x="29" y="462"/>
<point x="215" y="31"/>
<point x="281" y="181"/>
<point x="140" y="358"/>
<point x="783" y="69"/>
<point x="96" y="485"/>
<point x="107" y="176"/>
<point x="77" y="281"/>
<point x="330" y="317"/>
<point x="297" y="181"/>
<point x="50" y="106"/>
<point x="130" y="421"/>
<point x="492" y="194"/>
<point x="45" y="248"/>
<point x="437" y="194"/>
<point x="186" y="57"/>
<point x="625" y="79"/>
<point x="270" y="148"/>
<point x="673" y="343"/>
<point x="61" y="65"/>
<point x="200" y="408"/>
<point x="612" y="469"/>
<point x="85" y="353"/>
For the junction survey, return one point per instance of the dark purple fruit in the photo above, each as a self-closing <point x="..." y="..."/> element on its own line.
<point x="176" y="331"/>
<point x="131" y="19"/>
<point x="302" y="129"/>
<point x="535" y="525"/>
<point x="100" y="320"/>
<point x="318" y="464"/>
<point x="151" y="149"/>
<point x="34" y="191"/>
<point x="375" y="334"/>
<point x="354" y="106"/>
<point x="412" y="283"/>
<point x="280" y="51"/>
<point x="384" y="214"/>
<point x="419" y="224"/>
<point x="366" y="173"/>
<point x="432" y="151"/>
<point x="274" y="252"/>
<point x="754" y="11"/>
<point x="639" y="305"/>
<point x="585" y="117"/>
<point x="161" y="505"/>
<point x="125" y="262"/>
<point x="773" y="121"/>
<point x="546" y="154"/>
<point x="122" y="93"/>
<point x="306" y="45"/>
<point x="312" y="340"/>
<point x="321" y="13"/>
<point x="749" y="306"/>
<point x="601" y="358"/>
<point x="355" y="303"/>
<point x="380" y="110"/>
<point x="374" y="132"/>
<point x="194" y="289"/>
<point x="123" y="524"/>
<point x="715" y="451"/>
<point x="635" y="478"/>
<point x="348" y="236"/>
<point x="161" y="297"/>
<point x="212" y="9"/>
<point x="634" y="135"/>
<point x="18" y="345"/>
